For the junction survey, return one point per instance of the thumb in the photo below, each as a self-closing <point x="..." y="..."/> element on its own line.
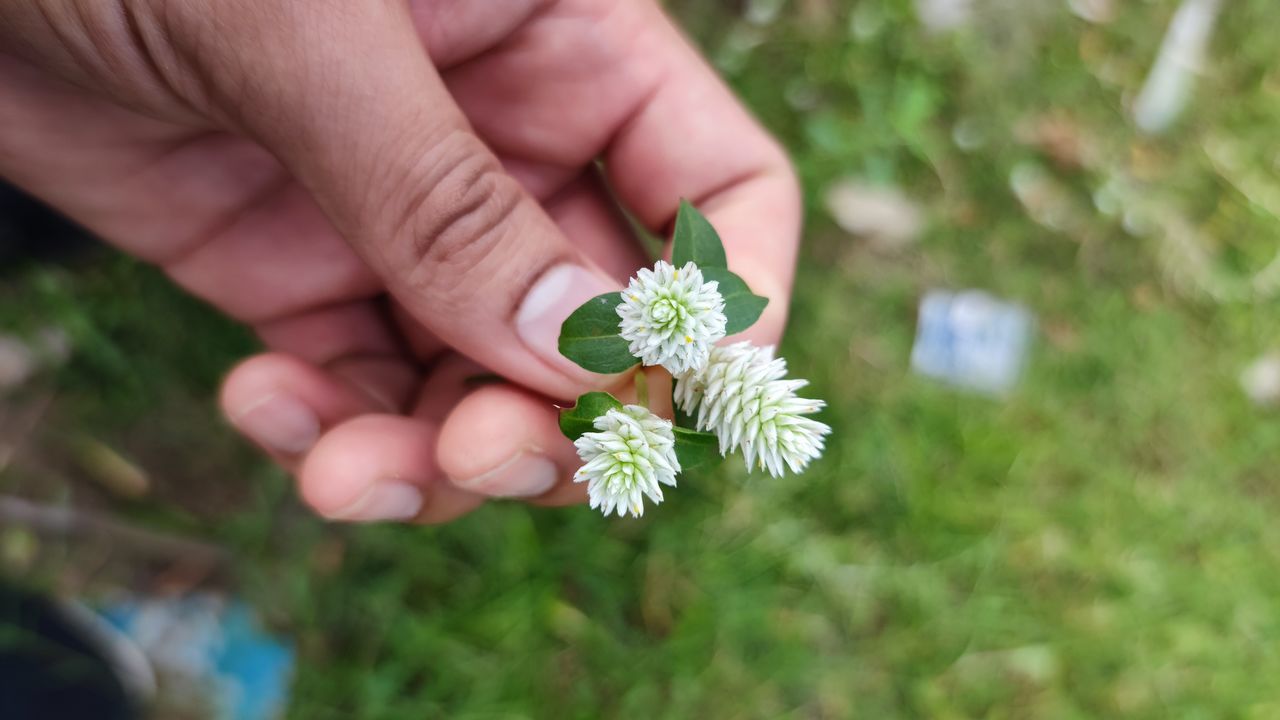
<point x="346" y="96"/>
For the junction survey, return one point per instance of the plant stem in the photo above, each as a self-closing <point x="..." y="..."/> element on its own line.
<point x="642" y="388"/>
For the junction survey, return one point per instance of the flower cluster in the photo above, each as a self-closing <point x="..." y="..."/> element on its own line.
<point x="742" y="395"/>
<point x="736" y="397"/>
<point x="631" y="454"/>
<point x="671" y="317"/>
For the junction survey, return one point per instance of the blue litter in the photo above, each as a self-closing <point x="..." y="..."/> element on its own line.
<point x="972" y="340"/>
<point x="211" y="651"/>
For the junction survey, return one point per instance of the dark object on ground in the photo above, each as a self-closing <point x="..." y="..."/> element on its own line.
<point x="29" y="229"/>
<point x="49" y="667"/>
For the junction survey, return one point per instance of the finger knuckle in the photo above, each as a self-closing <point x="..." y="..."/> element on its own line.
<point x="459" y="215"/>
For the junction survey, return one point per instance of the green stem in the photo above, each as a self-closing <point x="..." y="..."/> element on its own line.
<point x="642" y="389"/>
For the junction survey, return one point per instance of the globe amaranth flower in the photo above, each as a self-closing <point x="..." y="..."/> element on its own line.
<point x="671" y="316"/>
<point x="742" y="395"/>
<point x="632" y="455"/>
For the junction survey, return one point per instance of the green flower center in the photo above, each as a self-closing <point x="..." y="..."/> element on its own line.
<point x="668" y="313"/>
<point x="628" y="461"/>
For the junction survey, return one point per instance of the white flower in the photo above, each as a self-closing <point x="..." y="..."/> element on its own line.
<point x="632" y="454"/>
<point x="741" y="395"/>
<point x="671" y="316"/>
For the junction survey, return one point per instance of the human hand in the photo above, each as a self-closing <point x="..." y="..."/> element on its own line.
<point x="395" y="196"/>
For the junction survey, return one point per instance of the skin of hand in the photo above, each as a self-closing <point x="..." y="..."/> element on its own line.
<point x="396" y="196"/>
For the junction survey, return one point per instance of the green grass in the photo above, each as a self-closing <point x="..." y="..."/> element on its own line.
<point x="1099" y="544"/>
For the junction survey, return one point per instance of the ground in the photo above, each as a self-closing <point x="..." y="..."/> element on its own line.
<point x="1100" y="543"/>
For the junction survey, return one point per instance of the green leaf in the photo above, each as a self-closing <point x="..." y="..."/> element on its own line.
<point x="683" y="419"/>
<point x="695" y="240"/>
<point x="580" y="418"/>
<point x="741" y="306"/>
<point x="589" y="336"/>
<point x="696" y="450"/>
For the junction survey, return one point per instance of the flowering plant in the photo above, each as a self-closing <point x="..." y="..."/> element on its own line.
<point x="725" y="398"/>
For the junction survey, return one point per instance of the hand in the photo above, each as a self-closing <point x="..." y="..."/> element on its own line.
<point x="394" y="195"/>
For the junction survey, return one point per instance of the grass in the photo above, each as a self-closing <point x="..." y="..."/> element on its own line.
<point x="1099" y="544"/>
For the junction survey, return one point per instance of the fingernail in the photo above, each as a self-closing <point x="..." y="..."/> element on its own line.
<point x="525" y="475"/>
<point x="383" y="500"/>
<point x="555" y="295"/>
<point x="281" y="423"/>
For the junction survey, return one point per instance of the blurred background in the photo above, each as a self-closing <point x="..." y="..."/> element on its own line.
<point x="1052" y="498"/>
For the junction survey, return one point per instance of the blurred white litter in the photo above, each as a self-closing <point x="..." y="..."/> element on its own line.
<point x="17" y="362"/>
<point x="1047" y="201"/>
<point x="1261" y="380"/>
<point x="888" y="219"/>
<point x="943" y="15"/>
<point x="20" y="359"/>
<point x="1168" y="86"/>
<point x="763" y="12"/>
<point x="968" y="134"/>
<point x="972" y="340"/>
<point x="866" y="21"/>
<point x="1098" y="12"/>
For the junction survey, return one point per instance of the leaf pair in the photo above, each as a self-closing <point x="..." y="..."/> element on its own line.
<point x="589" y="336"/>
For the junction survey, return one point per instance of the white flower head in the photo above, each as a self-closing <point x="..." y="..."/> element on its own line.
<point x="742" y="396"/>
<point x="671" y="316"/>
<point x="632" y="455"/>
